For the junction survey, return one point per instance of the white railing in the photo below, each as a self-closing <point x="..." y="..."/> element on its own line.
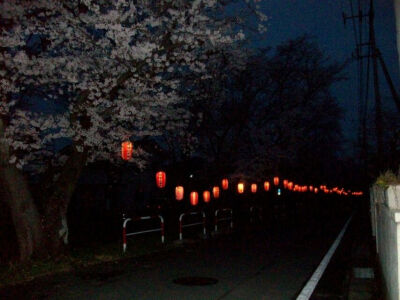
<point x="181" y="225"/>
<point x="125" y="234"/>
<point x="253" y="211"/>
<point x="218" y="219"/>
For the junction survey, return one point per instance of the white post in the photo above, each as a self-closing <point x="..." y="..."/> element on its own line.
<point x="387" y="200"/>
<point x="162" y="229"/>
<point x="204" y="223"/>
<point x="216" y="220"/>
<point x="124" y="233"/>
<point x="180" y="226"/>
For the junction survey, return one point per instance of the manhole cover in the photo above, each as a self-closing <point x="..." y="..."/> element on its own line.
<point x="195" y="281"/>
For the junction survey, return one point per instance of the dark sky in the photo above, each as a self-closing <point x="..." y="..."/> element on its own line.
<point x="322" y="19"/>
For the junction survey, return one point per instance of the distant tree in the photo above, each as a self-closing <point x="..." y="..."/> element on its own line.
<point x="276" y="112"/>
<point x="114" y="69"/>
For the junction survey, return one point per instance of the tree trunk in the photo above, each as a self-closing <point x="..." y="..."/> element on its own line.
<point x="56" y="207"/>
<point x="24" y="213"/>
<point x="44" y="233"/>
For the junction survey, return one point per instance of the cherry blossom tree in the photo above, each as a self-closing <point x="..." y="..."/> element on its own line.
<point x="113" y="69"/>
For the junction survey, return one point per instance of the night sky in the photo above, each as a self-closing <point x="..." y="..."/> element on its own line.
<point x="323" y="21"/>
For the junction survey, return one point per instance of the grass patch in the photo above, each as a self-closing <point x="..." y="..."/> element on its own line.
<point x="81" y="257"/>
<point x="388" y="178"/>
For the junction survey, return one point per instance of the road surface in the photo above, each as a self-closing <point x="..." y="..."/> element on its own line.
<point x="271" y="260"/>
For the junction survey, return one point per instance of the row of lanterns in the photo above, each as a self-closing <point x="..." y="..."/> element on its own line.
<point x="161" y="180"/>
<point x="194" y="196"/>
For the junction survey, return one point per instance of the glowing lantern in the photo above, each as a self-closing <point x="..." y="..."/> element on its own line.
<point x="285" y="183"/>
<point x="206" y="196"/>
<point x="126" y="150"/>
<point x="316" y="190"/>
<point x="194" y="198"/>
<point x="290" y="185"/>
<point x="179" y="192"/>
<point x="254" y="188"/>
<point x="240" y="187"/>
<point x="215" y="191"/>
<point x="225" y="184"/>
<point x="161" y="179"/>
<point x="310" y="188"/>
<point x="266" y="186"/>
<point x="296" y="188"/>
<point x="276" y="180"/>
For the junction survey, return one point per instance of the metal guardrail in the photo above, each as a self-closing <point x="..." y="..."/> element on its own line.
<point x="125" y="234"/>
<point x="253" y="211"/>
<point x="217" y="220"/>
<point x="181" y="225"/>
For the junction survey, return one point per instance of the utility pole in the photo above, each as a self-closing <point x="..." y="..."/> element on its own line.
<point x="357" y="14"/>
<point x="395" y="95"/>
<point x="378" y="100"/>
<point x="374" y="57"/>
<point x="397" y="14"/>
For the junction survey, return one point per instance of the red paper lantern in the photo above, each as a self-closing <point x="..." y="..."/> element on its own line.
<point x="240" y="187"/>
<point x="266" y="186"/>
<point x="254" y="188"/>
<point x="194" y="198"/>
<point x="276" y="180"/>
<point x="316" y="190"/>
<point x="215" y="191"/>
<point x="290" y="186"/>
<point x="179" y="192"/>
<point x="161" y="179"/>
<point x="126" y="150"/>
<point x="225" y="184"/>
<point x="310" y="188"/>
<point x="285" y="183"/>
<point x="206" y="196"/>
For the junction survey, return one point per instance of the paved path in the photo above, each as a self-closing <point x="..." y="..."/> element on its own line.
<point x="268" y="263"/>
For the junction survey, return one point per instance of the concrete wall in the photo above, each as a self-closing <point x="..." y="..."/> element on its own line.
<point x="385" y="219"/>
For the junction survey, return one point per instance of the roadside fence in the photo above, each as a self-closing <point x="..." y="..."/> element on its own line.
<point x="138" y="219"/>
<point x="218" y="219"/>
<point x="182" y="225"/>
